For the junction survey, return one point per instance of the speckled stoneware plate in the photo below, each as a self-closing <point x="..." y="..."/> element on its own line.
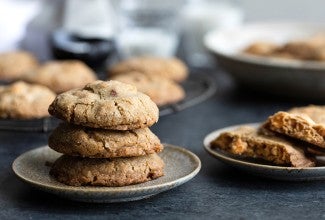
<point x="271" y="75"/>
<point x="181" y="165"/>
<point x="259" y="168"/>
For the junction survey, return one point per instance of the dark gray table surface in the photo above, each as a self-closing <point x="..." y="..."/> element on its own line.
<point x="218" y="191"/>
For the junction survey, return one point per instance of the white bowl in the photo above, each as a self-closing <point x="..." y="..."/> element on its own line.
<point x="293" y="78"/>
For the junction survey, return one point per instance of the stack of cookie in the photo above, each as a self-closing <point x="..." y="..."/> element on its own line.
<point x="291" y="138"/>
<point x="105" y="138"/>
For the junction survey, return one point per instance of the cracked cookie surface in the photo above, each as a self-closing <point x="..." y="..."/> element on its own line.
<point x="77" y="171"/>
<point x="106" y="104"/>
<point x="61" y="76"/>
<point x="248" y="142"/>
<point x="99" y="143"/>
<point x="171" y="68"/>
<point x="22" y="100"/>
<point x="303" y="123"/>
<point x="161" y="90"/>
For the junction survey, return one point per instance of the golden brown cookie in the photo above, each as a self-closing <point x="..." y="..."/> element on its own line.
<point x="99" y="143"/>
<point x="77" y="171"/>
<point x="304" y="123"/>
<point x="106" y="104"/>
<point x="261" y="48"/>
<point x="13" y="65"/>
<point x="248" y="142"/>
<point x="161" y="90"/>
<point x="61" y="76"/>
<point x="22" y="100"/>
<point x="301" y="50"/>
<point x="171" y="68"/>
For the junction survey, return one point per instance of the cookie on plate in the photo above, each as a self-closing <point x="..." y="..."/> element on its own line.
<point x="61" y="76"/>
<point x="99" y="143"/>
<point x="248" y="142"/>
<point x="13" y="65"/>
<point x="161" y="90"/>
<point x="22" y="100"/>
<point x="77" y="171"/>
<point x="171" y="68"/>
<point x="304" y="123"/>
<point x="106" y="104"/>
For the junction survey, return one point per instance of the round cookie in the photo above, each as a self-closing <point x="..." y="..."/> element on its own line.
<point x="99" y="143"/>
<point x="171" y="68"/>
<point x="61" y="76"/>
<point x="78" y="171"/>
<point x="13" y="65"/>
<point x="106" y="104"/>
<point x="21" y="100"/>
<point x="161" y="90"/>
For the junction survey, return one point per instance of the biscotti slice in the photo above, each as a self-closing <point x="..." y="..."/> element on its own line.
<point x="106" y="104"/>
<point x="248" y="142"/>
<point x="81" y="141"/>
<point x="78" y="171"/>
<point x="306" y="124"/>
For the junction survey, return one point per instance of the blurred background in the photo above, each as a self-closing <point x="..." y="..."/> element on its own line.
<point x="103" y="32"/>
<point x="102" y="18"/>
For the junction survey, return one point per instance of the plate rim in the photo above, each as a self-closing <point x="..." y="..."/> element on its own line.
<point x="220" y="156"/>
<point x="103" y="189"/>
<point x="263" y="61"/>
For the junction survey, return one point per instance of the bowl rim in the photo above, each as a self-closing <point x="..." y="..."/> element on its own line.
<point x="210" y="36"/>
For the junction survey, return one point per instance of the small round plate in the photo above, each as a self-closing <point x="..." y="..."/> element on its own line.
<point x="181" y="165"/>
<point x="264" y="170"/>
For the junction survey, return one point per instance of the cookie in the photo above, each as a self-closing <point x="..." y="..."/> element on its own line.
<point x="13" y="65"/>
<point x="304" y="123"/>
<point x="77" y="171"/>
<point x="22" y="100"/>
<point x="99" y="143"/>
<point x="301" y="50"/>
<point x="106" y="104"/>
<point x="61" y="76"/>
<point x="161" y="90"/>
<point x="248" y="142"/>
<point x="261" y="48"/>
<point x="171" y="68"/>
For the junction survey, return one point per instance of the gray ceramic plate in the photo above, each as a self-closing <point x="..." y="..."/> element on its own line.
<point x="261" y="169"/>
<point x="181" y="166"/>
<point x="292" y="78"/>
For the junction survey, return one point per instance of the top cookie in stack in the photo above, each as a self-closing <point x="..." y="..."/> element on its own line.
<point x="109" y="105"/>
<point x="106" y="141"/>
